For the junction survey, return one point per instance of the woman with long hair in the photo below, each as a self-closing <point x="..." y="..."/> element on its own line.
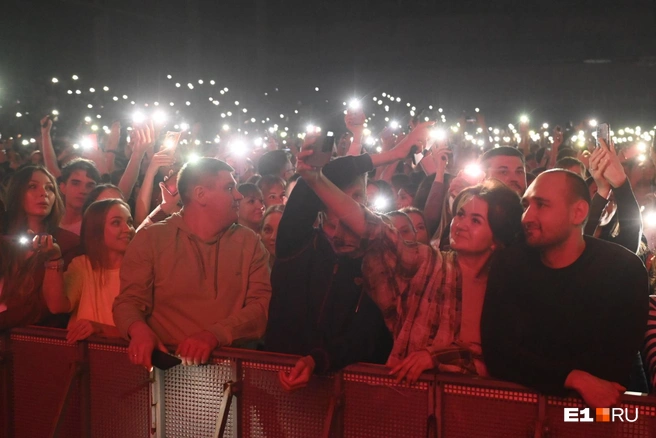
<point x="88" y="288"/>
<point x="431" y="300"/>
<point x="33" y="247"/>
<point x="269" y="229"/>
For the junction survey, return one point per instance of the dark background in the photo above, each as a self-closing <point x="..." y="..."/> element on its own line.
<point x="556" y="60"/>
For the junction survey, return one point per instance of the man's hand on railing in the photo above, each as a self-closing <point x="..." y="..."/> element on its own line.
<point x="143" y="341"/>
<point x="596" y="392"/>
<point x="196" y="349"/>
<point x="412" y="366"/>
<point x="299" y="376"/>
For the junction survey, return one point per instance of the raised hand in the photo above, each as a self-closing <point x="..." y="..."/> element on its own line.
<point x="161" y="159"/>
<point x="354" y="120"/>
<point x="597" y="166"/>
<point x="44" y="244"/>
<point x="614" y="172"/>
<point x="46" y="124"/>
<point x="143" y="138"/>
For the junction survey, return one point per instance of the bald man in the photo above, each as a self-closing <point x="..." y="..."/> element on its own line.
<point x="564" y="311"/>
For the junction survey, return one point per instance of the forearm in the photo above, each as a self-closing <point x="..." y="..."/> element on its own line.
<point x="335" y="200"/>
<point x="110" y="161"/>
<point x="387" y="172"/>
<point x="297" y="222"/>
<point x="356" y="144"/>
<point x="142" y="207"/>
<point x="130" y="175"/>
<point x="628" y="216"/>
<point x="433" y="208"/>
<point x="49" y="156"/>
<point x="596" y="209"/>
<point x="53" y="292"/>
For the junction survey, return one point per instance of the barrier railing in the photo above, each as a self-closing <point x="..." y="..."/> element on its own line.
<point x="51" y="388"/>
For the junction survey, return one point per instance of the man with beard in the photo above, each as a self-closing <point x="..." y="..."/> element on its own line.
<point x="564" y="311"/>
<point x="318" y="307"/>
<point x="197" y="280"/>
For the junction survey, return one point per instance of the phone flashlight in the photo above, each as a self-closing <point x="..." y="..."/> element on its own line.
<point x="650" y="219"/>
<point x="438" y="134"/>
<point x="159" y="117"/>
<point x="524" y="119"/>
<point x="381" y="203"/>
<point x="138" y="117"/>
<point x="238" y="148"/>
<point x="473" y="170"/>
<point x="355" y="104"/>
<point x="86" y="143"/>
<point x="23" y="240"/>
<point x="394" y="124"/>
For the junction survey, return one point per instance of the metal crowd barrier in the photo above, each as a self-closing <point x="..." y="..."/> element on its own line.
<point x="51" y="388"/>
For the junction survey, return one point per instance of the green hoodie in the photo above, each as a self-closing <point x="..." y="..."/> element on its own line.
<point x="180" y="285"/>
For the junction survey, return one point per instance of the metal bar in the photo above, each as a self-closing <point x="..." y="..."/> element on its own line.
<point x="333" y="424"/>
<point x="431" y="423"/>
<point x="85" y="389"/>
<point x="238" y="376"/>
<point x="230" y="388"/>
<point x="157" y="407"/>
<point x="76" y="370"/>
<point x="439" y="408"/>
<point x="541" y="429"/>
<point x="7" y="388"/>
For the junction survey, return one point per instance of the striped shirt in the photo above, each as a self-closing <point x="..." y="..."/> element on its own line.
<point x="649" y="347"/>
<point x="419" y="291"/>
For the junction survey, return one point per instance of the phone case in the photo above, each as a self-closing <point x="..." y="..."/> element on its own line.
<point x="164" y="361"/>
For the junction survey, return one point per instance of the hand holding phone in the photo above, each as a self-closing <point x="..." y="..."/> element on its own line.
<point x="171" y="183"/>
<point x="322" y="150"/>
<point x="603" y="132"/>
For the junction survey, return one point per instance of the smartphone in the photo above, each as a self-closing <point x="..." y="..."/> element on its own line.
<point x="171" y="140"/>
<point x="323" y="150"/>
<point x="428" y="164"/>
<point x="164" y="361"/>
<point x="603" y="131"/>
<point x="171" y="183"/>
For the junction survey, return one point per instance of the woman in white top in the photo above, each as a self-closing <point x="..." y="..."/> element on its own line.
<point x="89" y="286"/>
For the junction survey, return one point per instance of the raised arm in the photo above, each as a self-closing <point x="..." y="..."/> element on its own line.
<point x="142" y="208"/>
<point x="49" y="156"/>
<point x="354" y="120"/>
<point x="145" y="139"/>
<point x="346" y="209"/>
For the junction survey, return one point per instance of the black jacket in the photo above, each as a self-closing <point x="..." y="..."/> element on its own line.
<point x="318" y="306"/>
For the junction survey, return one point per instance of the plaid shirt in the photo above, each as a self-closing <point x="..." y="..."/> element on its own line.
<point x="419" y="291"/>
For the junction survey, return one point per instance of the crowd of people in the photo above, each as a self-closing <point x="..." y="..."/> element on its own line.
<point x="526" y="262"/>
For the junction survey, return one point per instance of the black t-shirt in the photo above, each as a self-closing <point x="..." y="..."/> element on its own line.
<point x="539" y="324"/>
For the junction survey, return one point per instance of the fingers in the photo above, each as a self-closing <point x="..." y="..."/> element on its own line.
<point x="402" y="369"/>
<point x="82" y="329"/>
<point x="193" y="353"/>
<point x="140" y="354"/>
<point x="294" y="381"/>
